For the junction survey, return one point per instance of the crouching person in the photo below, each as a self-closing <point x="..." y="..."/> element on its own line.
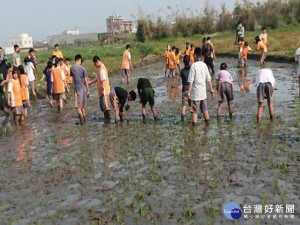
<point x="146" y="94"/>
<point x="265" y="84"/>
<point x="118" y="97"/>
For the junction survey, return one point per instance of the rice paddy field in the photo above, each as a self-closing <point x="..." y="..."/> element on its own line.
<point x="55" y="171"/>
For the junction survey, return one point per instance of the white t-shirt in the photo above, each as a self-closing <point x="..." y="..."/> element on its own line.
<point x="129" y="56"/>
<point x="10" y="90"/>
<point x="264" y="76"/>
<point x="29" y="69"/>
<point x="297" y="58"/>
<point x="198" y="75"/>
<point x="102" y="75"/>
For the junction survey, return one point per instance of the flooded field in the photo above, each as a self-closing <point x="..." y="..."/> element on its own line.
<point x="54" y="171"/>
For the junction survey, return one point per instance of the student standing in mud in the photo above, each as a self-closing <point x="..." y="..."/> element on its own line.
<point x="184" y="74"/>
<point x="207" y="49"/>
<point x="265" y="84"/>
<point x="198" y="76"/>
<point x="178" y="57"/>
<point x="297" y="60"/>
<point x="172" y="62"/>
<point x="146" y="94"/>
<point x="2" y="107"/>
<point x="224" y="86"/>
<point x="167" y="61"/>
<point x="14" y="96"/>
<point x="260" y="46"/>
<point x="24" y="83"/>
<point x="244" y="54"/>
<point x="187" y="49"/>
<point x="30" y="70"/>
<point x="81" y="87"/>
<point x="191" y="54"/>
<point x="118" y="97"/>
<point x="126" y="65"/>
<point x="103" y="86"/>
<point x="264" y="37"/>
<point x="58" y="79"/>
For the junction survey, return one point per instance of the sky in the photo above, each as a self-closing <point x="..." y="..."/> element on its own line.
<point x="42" y="18"/>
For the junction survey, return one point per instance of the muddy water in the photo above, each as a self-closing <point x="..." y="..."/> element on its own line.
<point x="53" y="171"/>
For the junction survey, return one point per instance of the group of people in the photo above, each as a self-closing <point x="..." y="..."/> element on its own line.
<point x="59" y="76"/>
<point x="261" y="41"/>
<point x="174" y="56"/>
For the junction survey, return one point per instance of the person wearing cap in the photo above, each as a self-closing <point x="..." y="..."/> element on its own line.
<point x="118" y="97"/>
<point x="57" y="52"/>
<point x="224" y="86"/>
<point x="265" y="83"/>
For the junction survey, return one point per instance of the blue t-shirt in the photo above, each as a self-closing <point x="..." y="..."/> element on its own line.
<point x="48" y="80"/>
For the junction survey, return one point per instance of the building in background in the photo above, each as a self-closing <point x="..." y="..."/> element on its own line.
<point x="24" y="41"/>
<point x="115" y="24"/>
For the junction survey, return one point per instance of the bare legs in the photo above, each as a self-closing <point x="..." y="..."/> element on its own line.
<point x="153" y="112"/>
<point x="220" y="109"/>
<point x="260" y="108"/>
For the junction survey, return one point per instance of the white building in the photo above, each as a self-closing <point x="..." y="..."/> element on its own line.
<point x="23" y="40"/>
<point x="71" y="32"/>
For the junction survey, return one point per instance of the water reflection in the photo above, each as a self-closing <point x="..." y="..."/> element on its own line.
<point x="243" y="80"/>
<point x="25" y="146"/>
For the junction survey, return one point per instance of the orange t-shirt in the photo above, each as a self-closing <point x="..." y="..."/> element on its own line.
<point x="187" y="51"/>
<point x="125" y="60"/>
<point x="178" y="58"/>
<point x="172" y="60"/>
<point x="245" y="52"/>
<point x="24" y="87"/>
<point x="14" y="89"/>
<point x="57" y="78"/>
<point x="101" y="76"/>
<point x="191" y="52"/>
<point x="67" y="71"/>
<point x="261" y="47"/>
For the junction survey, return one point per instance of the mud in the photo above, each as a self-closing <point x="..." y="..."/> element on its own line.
<point x="54" y="171"/>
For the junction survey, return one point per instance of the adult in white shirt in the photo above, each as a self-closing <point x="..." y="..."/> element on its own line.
<point x="265" y="84"/>
<point x="297" y="60"/>
<point x="30" y="70"/>
<point x="198" y="76"/>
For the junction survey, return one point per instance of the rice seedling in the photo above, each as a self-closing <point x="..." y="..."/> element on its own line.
<point x="141" y="210"/>
<point x="282" y="197"/>
<point x="264" y="201"/>
<point x="189" y="212"/>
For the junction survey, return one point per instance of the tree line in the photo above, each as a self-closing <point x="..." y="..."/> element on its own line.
<point x="186" y="22"/>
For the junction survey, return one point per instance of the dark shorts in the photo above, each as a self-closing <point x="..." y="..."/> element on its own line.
<point x="264" y="90"/>
<point x="209" y="62"/>
<point x="125" y="73"/>
<point x="225" y="90"/>
<point x="58" y="96"/>
<point x="185" y="98"/>
<point x="25" y="104"/>
<point x="18" y="110"/>
<point x="81" y="98"/>
<point x="245" y="60"/>
<point x="240" y="39"/>
<point x="147" y="96"/>
<point x="199" y="106"/>
<point x="104" y="103"/>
